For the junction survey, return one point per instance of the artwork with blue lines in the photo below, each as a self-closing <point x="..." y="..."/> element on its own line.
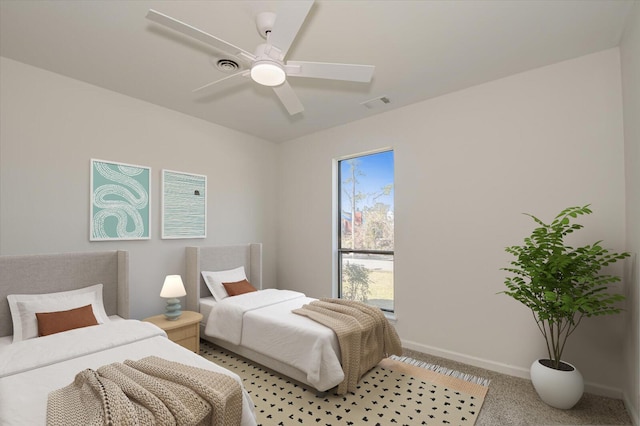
<point x="120" y="201"/>
<point x="184" y="205"/>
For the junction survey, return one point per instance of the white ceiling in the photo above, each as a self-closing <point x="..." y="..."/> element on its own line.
<point x="421" y="49"/>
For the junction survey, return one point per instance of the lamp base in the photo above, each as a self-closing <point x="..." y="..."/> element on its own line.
<point x="172" y="311"/>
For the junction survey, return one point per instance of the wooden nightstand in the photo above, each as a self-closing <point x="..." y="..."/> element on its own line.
<point x="185" y="331"/>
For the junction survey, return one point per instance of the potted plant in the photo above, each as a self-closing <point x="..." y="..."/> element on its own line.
<point x="561" y="285"/>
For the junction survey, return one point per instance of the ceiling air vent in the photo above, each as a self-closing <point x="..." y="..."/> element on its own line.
<point x="376" y="102"/>
<point x="227" y="65"/>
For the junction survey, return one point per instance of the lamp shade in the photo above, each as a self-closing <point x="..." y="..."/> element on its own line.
<point x="268" y="73"/>
<point x="172" y="287"/>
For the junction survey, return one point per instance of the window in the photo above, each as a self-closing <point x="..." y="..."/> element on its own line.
<point x="365" y="240"/>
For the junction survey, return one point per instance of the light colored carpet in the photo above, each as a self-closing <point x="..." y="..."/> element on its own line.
<point x="513" y="401"/>
<point x="394" y="392"/>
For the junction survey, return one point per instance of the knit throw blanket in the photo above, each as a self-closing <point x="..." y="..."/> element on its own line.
<point x="364" y="334"/>
<point x="151" y="391"/>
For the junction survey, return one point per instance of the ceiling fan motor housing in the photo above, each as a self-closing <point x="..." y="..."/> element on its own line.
<point x="268" y="68"/>
<point x="269" y="52"/>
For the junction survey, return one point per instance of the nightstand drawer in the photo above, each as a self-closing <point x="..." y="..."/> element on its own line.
<point x="182" y="333"/>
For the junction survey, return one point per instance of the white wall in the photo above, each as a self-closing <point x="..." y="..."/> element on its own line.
<point x="51" y="126"/>
<point x="467" y="165"/>
<point x="630" y="55"/>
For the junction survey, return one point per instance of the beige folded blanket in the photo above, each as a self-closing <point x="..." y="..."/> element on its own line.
<point x="364" y="334"/>
<point x="151" y="391"/>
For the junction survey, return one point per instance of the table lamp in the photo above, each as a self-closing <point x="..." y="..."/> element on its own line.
<point x="171" y="290"/>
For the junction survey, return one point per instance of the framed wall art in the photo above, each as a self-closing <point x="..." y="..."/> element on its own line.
<point x="184" y="205"/>
<point x="120" y="201"/>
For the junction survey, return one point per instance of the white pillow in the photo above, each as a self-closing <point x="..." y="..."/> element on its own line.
<point x="25" y="306"/>
<point x="214" y="280"/>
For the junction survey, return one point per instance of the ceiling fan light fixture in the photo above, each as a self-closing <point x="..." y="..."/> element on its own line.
<point x="268" y="73"/>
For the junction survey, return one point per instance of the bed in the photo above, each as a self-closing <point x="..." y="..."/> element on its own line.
<point x="30" y="368"/>
<point x="290" y="344"/>
<point x="260" y="325"/>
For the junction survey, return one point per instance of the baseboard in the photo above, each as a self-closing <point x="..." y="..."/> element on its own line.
<point x="511" y="370"/>
<point x="631" y="409"/>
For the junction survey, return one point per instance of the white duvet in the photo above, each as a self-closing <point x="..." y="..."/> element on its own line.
<point x="263" y="322"/>
<point x="30" y="369"/>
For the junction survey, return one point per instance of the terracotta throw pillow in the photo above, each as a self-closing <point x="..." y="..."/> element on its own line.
<point x="56" y="322"/>
<point x="239" y="287"/>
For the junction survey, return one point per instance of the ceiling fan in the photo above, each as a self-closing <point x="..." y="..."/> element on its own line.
<point x="267" y="65"/>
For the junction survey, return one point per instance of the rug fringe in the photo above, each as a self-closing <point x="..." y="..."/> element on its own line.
<point x="442" y="370"/>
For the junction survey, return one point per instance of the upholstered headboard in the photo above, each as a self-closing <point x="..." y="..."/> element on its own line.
<point x="220" y="259"/>
<point x="48" y="273"/>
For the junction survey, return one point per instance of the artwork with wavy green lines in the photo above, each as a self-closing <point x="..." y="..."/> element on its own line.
<point x="120" y="201"/>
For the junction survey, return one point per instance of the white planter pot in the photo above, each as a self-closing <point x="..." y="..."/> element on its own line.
<point x="559" y="389"/>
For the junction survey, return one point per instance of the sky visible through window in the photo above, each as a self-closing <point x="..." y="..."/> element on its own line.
<point x="375" y="171"/>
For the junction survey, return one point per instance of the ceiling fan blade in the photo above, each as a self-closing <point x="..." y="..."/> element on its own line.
<point x="199" y="35"/>
<point x="289" y="19"/>
<point x="288" y="98"/>
<point x="243" y="73"/>
<point x="330" y="71"/>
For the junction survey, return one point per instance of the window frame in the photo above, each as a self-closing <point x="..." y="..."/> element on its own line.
<point x="340" y="251"/>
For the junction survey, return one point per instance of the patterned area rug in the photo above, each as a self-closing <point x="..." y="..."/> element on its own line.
<point x="398" y="391"/>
